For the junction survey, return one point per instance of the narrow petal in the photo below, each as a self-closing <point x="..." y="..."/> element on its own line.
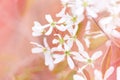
<point x="115" y="33"/>
<point x="118" y="73"/>
<point x="55" y="41"/>
<point x="108" y="73"/>
<point x="70" y="43"/>
<point x="37" y="24"/>
<point x="70" y="62"/>
<point x="58" y="58"/>
<point x="67" y="48"/>
<point x="45" y="43"/>
<point x="97" y="75"/>
<point x="96" y="55"/>
<point x="77" y="77"/>
<point x="105" y="20"/>
<point x="48" y="18"/>
<point x="61" y="28"/>
<point x="49" y="31"/>
<point x="37" y="50"/>
<point x="39" y="45"/>
<point x="79" y="58"/>
<point x="84" y="54"/>
<point x="61" y="13"/>
<point x="49" y="61"/>
<point x="35" y="34"/>
<point x="79" y="44"/>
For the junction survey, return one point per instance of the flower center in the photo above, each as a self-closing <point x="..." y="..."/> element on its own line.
<point x="61" y="41"/>
<point x="85" y="4"/>
<point x="53" y="24"/>
<point x="67" y="52"/>
<point x="74" y="19"/>
<point x="89" y="61"/>
<point x="44" y="50"/>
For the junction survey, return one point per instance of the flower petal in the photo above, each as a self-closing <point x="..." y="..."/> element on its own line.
<point x="96" y="55"/>
<point x="108" y="72"/>
<point x="115" y="33"/>
<point x="49" y="61"/>
<point x="55" y="41"/>
<point x="58" y="58"/>
<point x="118" y="73"/>
<point x="70" y="62"/>
<point x="37" y="50"/>
<point x="49" y="31"/>
<point x="79" y="44"/>
<point x="61" y="13"/>
<point x="49" y="18"/>
<point x="77" y="77"/>
<point x="97" y="75"/>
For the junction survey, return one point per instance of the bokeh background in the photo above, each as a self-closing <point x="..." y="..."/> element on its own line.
<point x="16" y="60"/>
<point x="16" y="20"/>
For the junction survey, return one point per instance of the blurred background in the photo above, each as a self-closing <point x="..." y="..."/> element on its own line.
<point x="16" y="20"/>
<point x="16" y="60"/>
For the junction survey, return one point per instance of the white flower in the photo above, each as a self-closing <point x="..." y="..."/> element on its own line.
<point x="73" y="39"/>
<point x="98" y="74"/>
<point x="85" y="5"/>
<point x="118" y="73"/>
<point x="38" y="29"/>
<point x="78" y="77"/>
<point x="52" y="24"/>
<point x="84" y="57"/>
<point x="60" y="41"/>
<point x="46" y="51"/>
<point x="66" y="53"/>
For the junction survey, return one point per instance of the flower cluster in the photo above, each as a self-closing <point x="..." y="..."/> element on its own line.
<point x="71" y="41"/>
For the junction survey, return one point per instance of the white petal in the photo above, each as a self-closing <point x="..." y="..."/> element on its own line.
<point x="88" y="26"/>
<point x="118" y="73"/>
<point x="49" y="61"/>
<point x="97" y="75"/>
<point x="49" y="18"/>
<point x="87" y="41"/>
<point x="55" y="41"/>
<point x="91" y="12"/>
<point x="70" y="62"/>
<point x="39" y="45"/>
<point x="96" y="55"/>
<point x="61" y="28"/>
<point x="35" y="34"/>
<point x="37" y="50"/>
<point x="70" y="43"/>
<point x="62" y="20"/>
<point x="49" y="31"/>
<point x="108" y="72"/>
<point x="105" y="20"/>
<point x="79" y="58"/>
<point x="37" y="24"/>
<point x="84" y="54"/>
<point x="59" y="48"/>
<point x="115" y="33"/>
<point x="58" y="58"/>
<point x="77" y="77"/>
<point x="61" y="13"/>
<point x="67" y="48"/>
<point x="45" y="43"/>
<point x="79" y="44"/>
